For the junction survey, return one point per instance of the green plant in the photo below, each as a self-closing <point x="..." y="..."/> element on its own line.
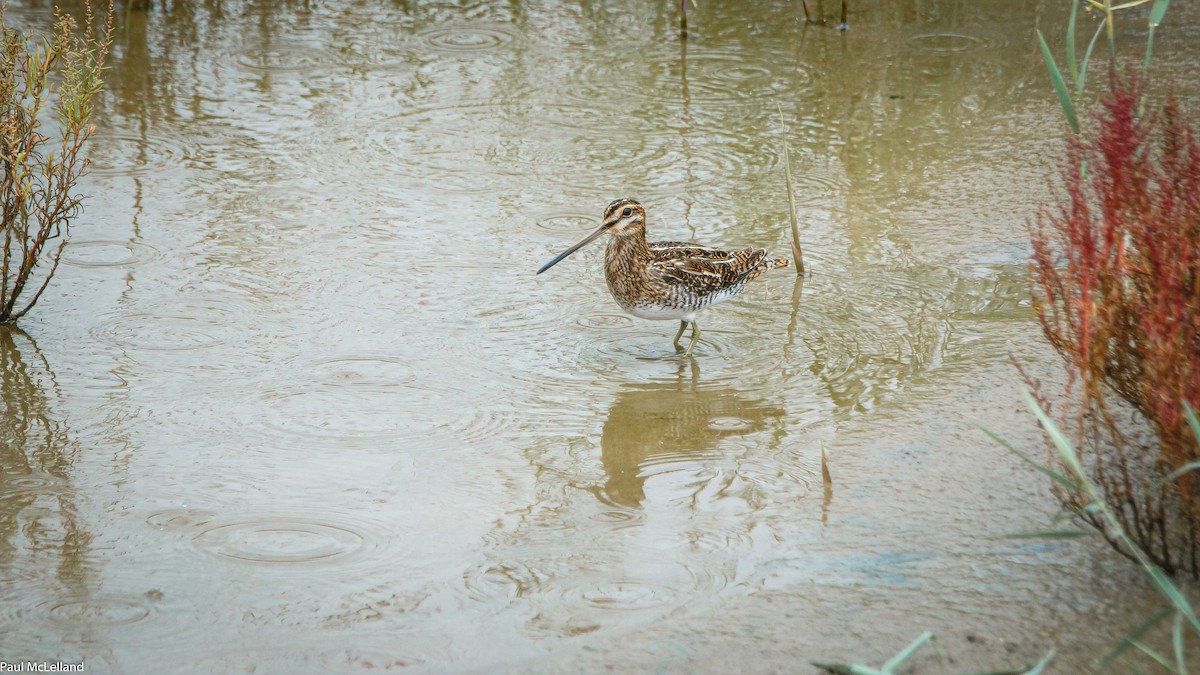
<point x="1075" y="478"/>
<point x="1076" y="69"/>
<point x="56" y="76"/>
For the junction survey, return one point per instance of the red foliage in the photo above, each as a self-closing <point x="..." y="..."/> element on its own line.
<point x="1117" y="269"/>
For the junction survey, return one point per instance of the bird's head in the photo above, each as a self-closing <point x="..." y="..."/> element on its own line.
<point x="622" y="218"/>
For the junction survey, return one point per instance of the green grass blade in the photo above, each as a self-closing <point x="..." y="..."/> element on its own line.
<point x="1156" y="17"/>
<point x="1186" y="468"/>
<point x="1193" y="421"/>
<point x="1134" y="637"/>
<point x="1087" y="56"/>
<point x="1060" y="442"/>
<point x="1054" y="475"/>
<point x="1072" y="67"/>
<point x="1157" y="11"/>
<point x="1171" y="592"/>
<point x="900" y="658"/>
<point x="1177" y="642"/>
<point x="1041" y="665"/>
<point x="1159" y="658"/>
<point x="1060" y="87"/>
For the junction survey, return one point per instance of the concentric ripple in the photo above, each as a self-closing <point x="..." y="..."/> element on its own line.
<point x="96" y="611"/>
<point x="603" y="319"/>
<point x="502" y="581"/>
<point x="180" y="519"/>
<point x="457" y="39"/>
<point x="733" y="424"/>
<point x="625" y="595"/>
<point x="363" y="371"/>
<point x="281" y="540"/>
<point x="729" y="78"/>
<point x="291" y="58"/>
<point x="567" y="224"/>
<point x="163" y="332"/>
<point x="330" y="414"/>
<point x="31" y="484"/>
<point x="945" y="43"/>
<point x="127" y="154"/>
<point x="107" y="253"/>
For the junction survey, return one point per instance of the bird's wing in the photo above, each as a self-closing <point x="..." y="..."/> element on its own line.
<point x="702" y="269"/>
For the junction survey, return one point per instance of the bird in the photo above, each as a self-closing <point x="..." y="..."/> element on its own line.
<point x="667" y="280"/>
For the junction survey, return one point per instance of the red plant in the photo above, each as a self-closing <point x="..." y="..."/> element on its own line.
<point x="1116" y="263"/>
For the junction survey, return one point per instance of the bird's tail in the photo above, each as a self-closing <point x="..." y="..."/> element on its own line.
<point x="763" y="265"/>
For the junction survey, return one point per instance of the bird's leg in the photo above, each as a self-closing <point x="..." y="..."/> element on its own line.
<point x="695" y="337"/>
<point x="682" y="325"/>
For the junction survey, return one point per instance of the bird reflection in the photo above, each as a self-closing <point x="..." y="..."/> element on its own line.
<point x="648" y="421"/>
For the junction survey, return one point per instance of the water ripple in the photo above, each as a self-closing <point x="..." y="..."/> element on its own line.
<point x="472" y="148"/>
<point x="126" y="154"/>
<point x="567" y="224"/>
<point x="731" y="78"/>
<point x="306" y="58"/>
<point x="280" y="540"/>
<point x="458" y="39"/>
<point x="291" y="540"/>
<point x="91" y="612"/>
<point x="492" y="581"/>
<point x="164" y="332"/>
<point x="946" y="43"/>
<point x="12" y="485"/>
<point x="108" y="253"/>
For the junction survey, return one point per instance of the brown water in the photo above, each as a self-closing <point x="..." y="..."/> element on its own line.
<point x="297" y="403"/>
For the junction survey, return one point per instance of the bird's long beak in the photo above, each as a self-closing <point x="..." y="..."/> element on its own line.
<point x="578" y="245"/>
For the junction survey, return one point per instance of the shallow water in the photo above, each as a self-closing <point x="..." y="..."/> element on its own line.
<point x="297" y="403"/>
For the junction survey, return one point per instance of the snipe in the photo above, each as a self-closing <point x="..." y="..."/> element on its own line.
<point x="667" y="280"/>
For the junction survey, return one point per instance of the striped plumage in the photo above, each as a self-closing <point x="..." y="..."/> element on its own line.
<point x="668" y="279"/>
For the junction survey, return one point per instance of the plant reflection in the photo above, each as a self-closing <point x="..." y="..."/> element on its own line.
<point x="37" y="511"/>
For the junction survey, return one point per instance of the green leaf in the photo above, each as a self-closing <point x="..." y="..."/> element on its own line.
<point x="1072" y="67"/>
<point x="1186" y="468"/>
<point x="1193" y="421"/>
<point x="1054" y="475"/>
<point x="1087" y="56"/>
<point x="1162" y="661"/>
<point x="1171" y="592"/>
<point x="1041" y="665"/>
<point x="900" y="658"/>
<point x="1157" y="12"/>
<point x="1156" y="17"/>
<point x="1060" y="87"/>
<point x="1061" y="443"/>
<point x="1133" y="637"/>
<point x="1177" y="642"/>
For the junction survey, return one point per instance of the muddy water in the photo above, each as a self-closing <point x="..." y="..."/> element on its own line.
<point x="297" y="403"/>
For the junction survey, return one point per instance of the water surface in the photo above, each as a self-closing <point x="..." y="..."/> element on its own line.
<point x="296" y="401"/>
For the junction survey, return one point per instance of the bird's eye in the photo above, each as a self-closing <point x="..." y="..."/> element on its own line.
<point x="627" y="211"/>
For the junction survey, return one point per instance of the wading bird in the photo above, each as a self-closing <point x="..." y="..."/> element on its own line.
<point x="667" y="280"/>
